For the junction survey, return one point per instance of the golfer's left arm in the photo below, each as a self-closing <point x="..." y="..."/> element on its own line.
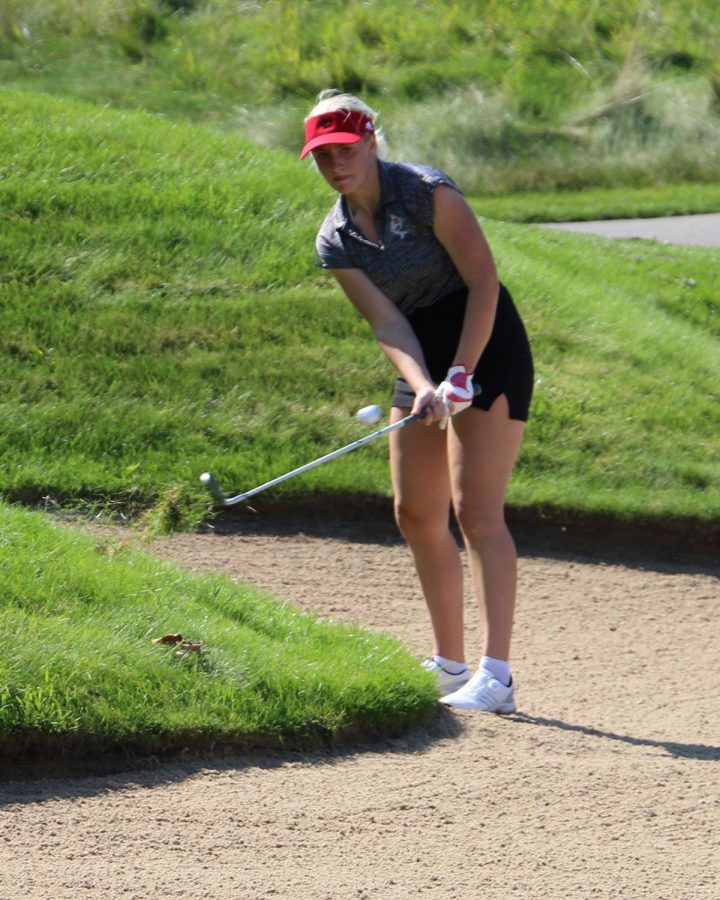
<point x="458" y="230"/>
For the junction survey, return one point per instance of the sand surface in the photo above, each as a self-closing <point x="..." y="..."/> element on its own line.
<point x="606" y="784"/>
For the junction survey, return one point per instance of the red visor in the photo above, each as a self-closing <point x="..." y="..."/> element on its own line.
<point x="340" y="127"/>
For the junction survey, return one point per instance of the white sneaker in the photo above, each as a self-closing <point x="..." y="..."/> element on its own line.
<point x="484" y="692"/>
<point x="446" y="681"/>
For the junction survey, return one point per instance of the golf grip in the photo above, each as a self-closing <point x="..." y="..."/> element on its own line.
<point x="230" y="501"/>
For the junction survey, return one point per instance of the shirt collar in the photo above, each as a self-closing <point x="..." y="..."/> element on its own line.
<point x="388" y="182"/>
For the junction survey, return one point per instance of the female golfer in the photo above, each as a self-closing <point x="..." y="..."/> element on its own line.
<point x="409" y="253"/>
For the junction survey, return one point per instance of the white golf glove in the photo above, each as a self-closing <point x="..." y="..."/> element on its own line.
<point x="456" y="392"/>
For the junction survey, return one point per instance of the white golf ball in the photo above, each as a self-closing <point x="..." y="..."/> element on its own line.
<point x="369" y="415"/>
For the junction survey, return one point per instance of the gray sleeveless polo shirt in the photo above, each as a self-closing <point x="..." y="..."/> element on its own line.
<point x="408" y="264"/>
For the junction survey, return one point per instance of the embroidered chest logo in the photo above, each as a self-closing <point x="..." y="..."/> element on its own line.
<point x="399" y="227"/>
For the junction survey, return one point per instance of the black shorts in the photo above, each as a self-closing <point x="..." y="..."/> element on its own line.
<point x="505" y="367"/>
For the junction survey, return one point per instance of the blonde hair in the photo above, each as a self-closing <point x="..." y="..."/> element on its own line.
<point x="331" y="100"/>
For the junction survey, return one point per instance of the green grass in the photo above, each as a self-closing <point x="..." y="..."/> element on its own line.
<point x="607" y="203"/>
<point x="81" y="676"/>
<point x="518" y="97"/>
<point x="162" y="316"/>
<point x="625" y="413"/>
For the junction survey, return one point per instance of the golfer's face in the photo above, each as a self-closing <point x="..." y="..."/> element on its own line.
<point x="345" y="167"/>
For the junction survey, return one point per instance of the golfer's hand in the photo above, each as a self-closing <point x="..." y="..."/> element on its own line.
<point x="428" y="405"/>
<point x="455" y="393"/>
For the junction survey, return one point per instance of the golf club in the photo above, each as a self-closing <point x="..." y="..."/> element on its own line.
<point x="207" y="479"/>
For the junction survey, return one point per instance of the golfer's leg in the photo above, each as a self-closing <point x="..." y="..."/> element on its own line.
<point x="483" y="447"/>
<point x="421" y="486"/>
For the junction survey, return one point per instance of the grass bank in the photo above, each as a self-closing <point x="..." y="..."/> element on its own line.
<point x="162" y="316"/>
<point x="518" y="97"/>
<point x="80" y="674"/>
<point x="602" y="203"/>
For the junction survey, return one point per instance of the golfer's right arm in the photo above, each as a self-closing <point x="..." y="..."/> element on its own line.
<point x="394" y="335"/>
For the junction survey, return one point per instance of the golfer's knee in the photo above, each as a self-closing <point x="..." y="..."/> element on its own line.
<point x="479" y="523"/>
<point x="417" y="523"/>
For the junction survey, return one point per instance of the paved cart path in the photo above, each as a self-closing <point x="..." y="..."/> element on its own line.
<point x="699" y="230"/>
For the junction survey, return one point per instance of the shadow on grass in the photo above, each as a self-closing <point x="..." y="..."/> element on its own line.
<point x="676" y="749"/>
<point x="39" y="778"/>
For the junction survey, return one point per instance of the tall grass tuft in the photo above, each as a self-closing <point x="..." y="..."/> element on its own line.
<point x="652" y="133"/>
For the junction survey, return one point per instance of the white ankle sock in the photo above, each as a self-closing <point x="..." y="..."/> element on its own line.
<point x="498" y="668"/>
<point x="451" y="666"/>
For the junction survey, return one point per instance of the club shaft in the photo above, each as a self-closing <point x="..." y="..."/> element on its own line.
<point x="231" y="501"/>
